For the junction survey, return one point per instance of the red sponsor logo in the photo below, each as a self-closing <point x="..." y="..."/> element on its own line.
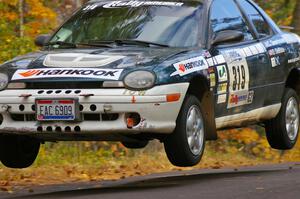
<point x="182" y="67"/>
<point x="29" y="73"/>
<point x="234" y="99"/>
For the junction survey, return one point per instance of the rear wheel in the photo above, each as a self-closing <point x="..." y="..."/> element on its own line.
<point x="282" y="131"/>
<point x="18" y="151"/>
<point x="185" y="146"/>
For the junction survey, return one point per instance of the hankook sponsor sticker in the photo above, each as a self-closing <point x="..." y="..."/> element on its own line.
<point x="189" y="66"/>
<point x="110" y="74"/>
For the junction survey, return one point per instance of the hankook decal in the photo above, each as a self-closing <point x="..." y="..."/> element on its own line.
<point x="190" y="66"/>
<point x="111" y="74"/>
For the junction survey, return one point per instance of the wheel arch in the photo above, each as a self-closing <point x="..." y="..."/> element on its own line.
<point x="200" y="87"/>
<point x="293" y="80"/>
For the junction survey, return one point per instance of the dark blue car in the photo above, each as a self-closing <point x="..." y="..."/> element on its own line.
<point x="133" y="71"/>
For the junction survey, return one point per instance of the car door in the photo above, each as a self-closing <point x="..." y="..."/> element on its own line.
<point x="238" y="81"/>
<point x="276" y="46"/>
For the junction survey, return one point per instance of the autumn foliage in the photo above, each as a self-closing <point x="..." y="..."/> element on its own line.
<point x="20" y="24"/>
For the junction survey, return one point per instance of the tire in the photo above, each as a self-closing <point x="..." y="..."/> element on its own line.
<point x="185" y="146"/>
<point x="18" y="151"/>
<point x="282" y="131"/>
<point x="135" y="145"/>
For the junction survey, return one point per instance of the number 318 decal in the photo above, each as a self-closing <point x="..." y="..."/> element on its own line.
<point x="239" y="77"/>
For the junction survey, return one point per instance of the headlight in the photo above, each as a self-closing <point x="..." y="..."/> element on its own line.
<point x="139" y="80"/>
<point x="3" y="81"/>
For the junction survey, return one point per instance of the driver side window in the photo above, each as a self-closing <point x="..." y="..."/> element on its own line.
<point x="225" y="15"/>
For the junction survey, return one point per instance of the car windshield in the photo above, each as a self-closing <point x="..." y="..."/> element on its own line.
<point x="174" y="24"/>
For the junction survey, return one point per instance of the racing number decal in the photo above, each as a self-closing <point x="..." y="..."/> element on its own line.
<point x="238" y="70"/>
<point x="239" y="77"/>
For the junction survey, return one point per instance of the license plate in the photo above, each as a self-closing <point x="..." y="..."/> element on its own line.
<point x="56" y="109"/>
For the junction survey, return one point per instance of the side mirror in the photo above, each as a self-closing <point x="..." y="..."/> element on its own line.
<point x="227" y="36"/>
<point x="41" y="40"/>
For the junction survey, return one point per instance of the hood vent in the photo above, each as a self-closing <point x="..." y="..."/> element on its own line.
<point x="80" y="60"/>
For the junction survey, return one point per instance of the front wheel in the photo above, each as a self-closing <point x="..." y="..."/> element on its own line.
<point x="185" y="146"/>
<point x="18" y="151"/>
<point x="282" y="131"/>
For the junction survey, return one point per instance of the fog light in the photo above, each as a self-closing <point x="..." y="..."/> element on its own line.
<point x="130" y="123"/>
<point x="132" y="120"/>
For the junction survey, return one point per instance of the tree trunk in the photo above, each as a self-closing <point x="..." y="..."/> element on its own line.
<point x="21" y="15"/>
<point x="296" y="18"/>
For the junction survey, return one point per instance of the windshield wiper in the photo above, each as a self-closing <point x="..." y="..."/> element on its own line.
<point x="139" y="42"/>
<point x="95" y="44"/>
<point x="76" y="45"/>
<point x="128" y="41"/>
<point x="62" y="43"/>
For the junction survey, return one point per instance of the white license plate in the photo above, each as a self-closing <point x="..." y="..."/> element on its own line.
<point x="56" y="109"/>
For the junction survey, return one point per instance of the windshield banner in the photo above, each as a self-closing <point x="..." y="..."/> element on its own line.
<point x="118" y="4"/>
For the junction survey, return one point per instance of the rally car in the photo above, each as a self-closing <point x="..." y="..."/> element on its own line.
<point x="133" y="71"/>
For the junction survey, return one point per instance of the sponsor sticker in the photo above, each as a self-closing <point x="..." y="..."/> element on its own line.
<point x="275" y="61"/>
<point x="260" y="47"/>
<point x="222" y="88"/>
<point x="240" y="99"/>
<point x="276" y="42"/>
<point x="212" y="77"/>
<point x="220" y="59"/>
<point x="234" y="55"/>
<point x="276" y="51"/>
<point x="247" y="51"/>
<point x="222" y="99"/>
<point x="222" y="73"/>
<point x="111" y="74"/>
<point x="120" y="4"/>
<point x="190" y="66"/>
<point x="297" y="59"/>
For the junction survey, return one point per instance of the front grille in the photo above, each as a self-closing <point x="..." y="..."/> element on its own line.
<point x="64" y="85"/>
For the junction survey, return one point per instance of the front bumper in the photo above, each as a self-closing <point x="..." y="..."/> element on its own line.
<point x="17" y="109"/>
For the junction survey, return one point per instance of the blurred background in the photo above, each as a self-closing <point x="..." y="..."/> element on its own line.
<point x="22" y="20"/>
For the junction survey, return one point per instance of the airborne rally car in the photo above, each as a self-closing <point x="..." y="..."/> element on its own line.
<point x="132" y="71"/>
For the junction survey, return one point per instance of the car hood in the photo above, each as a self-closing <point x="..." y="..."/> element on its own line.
<point x="122" y="57"/>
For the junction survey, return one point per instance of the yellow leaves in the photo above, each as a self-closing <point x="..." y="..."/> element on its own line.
<point x="39" y="11"/>
<point x="38" y="19"/>
<point x="248" y="141"/>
